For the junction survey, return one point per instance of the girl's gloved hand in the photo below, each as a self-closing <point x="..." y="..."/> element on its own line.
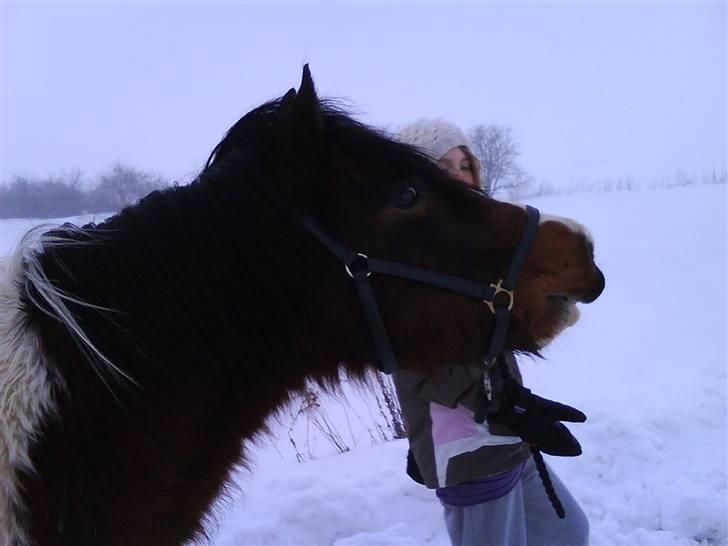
<point x="538" y="421"/>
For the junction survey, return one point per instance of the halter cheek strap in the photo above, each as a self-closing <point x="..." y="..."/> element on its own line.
<point x="360" y="267"/>
<point x="508" y="286"/>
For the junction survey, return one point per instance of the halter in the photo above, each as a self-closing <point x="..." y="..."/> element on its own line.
<point x="360" y="267"/>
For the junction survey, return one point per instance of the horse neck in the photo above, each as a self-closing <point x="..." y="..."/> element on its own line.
<point x="208" y="287"/>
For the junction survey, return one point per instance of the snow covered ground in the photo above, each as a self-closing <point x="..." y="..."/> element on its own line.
<point x="646" y="362"/>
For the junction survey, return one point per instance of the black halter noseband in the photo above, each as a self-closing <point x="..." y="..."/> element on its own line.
<point x="360" y="267"/>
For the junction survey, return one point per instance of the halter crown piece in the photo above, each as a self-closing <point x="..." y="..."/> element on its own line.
<point x="360" y="268"/>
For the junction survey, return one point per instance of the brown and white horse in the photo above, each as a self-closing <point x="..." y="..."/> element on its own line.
<point x="139" y="354"/>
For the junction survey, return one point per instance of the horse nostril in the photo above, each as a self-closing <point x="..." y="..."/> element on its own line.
<point x="597" y="287"/>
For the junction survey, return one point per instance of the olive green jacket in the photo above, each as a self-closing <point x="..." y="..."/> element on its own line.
<point x="446" y="442"/>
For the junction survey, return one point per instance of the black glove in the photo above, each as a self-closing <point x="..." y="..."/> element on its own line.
<point x="537" y="420"/>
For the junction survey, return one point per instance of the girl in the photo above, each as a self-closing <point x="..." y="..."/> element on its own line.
<point x="483" y="474"/>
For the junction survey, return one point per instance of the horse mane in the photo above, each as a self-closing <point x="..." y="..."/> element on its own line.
<point x="249" y="134"/>
<point x="256" y="129"/>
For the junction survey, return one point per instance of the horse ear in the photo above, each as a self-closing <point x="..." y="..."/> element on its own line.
<point x="306" y="108"/>
<point x="300" y="131"/>
<point x="307" y="89"/>
<point x="287" y="100"/>
<point x="299" y="143"/>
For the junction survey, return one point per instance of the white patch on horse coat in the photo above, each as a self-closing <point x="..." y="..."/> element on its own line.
<point x="573" y="225"/>
<point x="26" y="397"/>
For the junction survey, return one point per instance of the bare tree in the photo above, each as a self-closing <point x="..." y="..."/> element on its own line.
<point x="121" y="186"/>
<point x="74" y="178"/>
<point x="498" y="153"/>
<point x="717" y="177"/>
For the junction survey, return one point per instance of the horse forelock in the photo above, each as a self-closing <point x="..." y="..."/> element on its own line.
<point x="26" y="398"/>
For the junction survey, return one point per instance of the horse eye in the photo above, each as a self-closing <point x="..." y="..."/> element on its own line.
<point x="406" y="199"/>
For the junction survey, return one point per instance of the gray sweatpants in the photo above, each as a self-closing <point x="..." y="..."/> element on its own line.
<point x="523" y="517"/>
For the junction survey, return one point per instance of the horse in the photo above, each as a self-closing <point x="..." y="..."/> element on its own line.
<point x="141" y="353"/>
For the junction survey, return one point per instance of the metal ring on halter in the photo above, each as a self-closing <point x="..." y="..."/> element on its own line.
<point x="499" y="290"/>
<point x="361" y="256"/>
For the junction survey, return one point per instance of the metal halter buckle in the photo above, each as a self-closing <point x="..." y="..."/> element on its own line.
<point x="363" y="256"/>
<point x="499" y="290"/>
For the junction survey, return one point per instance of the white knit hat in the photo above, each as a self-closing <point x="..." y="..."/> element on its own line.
<point x="434" y="137"/>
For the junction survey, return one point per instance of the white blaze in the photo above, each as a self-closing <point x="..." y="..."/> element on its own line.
<point x="573" y="225"/>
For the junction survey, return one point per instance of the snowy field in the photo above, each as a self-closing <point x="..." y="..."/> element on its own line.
<point x="646" y="363"/>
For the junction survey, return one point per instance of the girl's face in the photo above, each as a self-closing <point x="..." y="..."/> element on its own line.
<point x="459" y="166"/>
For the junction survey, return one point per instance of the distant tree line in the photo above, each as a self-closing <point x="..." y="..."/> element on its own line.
<point x="501" y="175"/>
<point x="70" y="195"/>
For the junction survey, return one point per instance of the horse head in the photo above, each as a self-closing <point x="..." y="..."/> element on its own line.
<point x="383" y="199"/>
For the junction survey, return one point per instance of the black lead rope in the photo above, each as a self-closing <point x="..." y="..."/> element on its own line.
<point x="483" y="405"/>
<point x="543" y="472"/>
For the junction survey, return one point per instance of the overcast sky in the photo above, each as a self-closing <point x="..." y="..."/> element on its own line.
<point x="591" y="90"/>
